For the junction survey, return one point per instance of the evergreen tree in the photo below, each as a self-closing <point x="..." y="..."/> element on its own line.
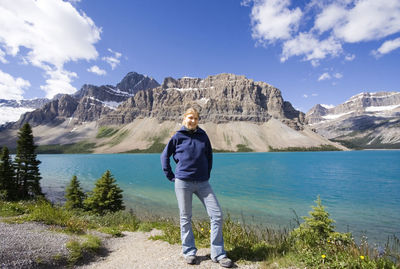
<point x="8" y="187"/>
<point x="27" y="166"/>
<point x="317" y="228"/>
<point x="74" y="195"/>
<point x="106" y="195"/>
<point x="319" y="221"/>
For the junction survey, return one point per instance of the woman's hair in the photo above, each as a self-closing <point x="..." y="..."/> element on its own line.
<point x="191" y="110"/>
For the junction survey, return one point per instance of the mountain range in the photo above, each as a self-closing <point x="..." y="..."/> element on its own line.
<point x="11" y="110"/>
<point x="138" y="114"/>
<point x="366" y="120"/>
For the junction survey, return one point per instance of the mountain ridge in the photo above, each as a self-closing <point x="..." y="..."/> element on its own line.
<point x="237" y="112"/>
<point x="365" y="120"/>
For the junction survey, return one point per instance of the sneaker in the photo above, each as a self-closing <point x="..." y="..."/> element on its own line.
<point x="191" y="259"/>
<point x="225" y="262"/>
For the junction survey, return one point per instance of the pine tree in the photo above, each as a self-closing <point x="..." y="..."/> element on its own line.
<point x="8" y="187"/>
<point x="74" y="195"/>
<point x="316" y="228"/>
<point x="319" y="221"/>
<point x="106" y="196"/>
<point x="27" y="166"/>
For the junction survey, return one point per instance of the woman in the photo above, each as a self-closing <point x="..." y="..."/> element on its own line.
<point x="192" y="153"/>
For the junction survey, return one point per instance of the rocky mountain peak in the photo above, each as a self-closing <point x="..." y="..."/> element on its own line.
<point x="314" y="114"/>
<point x="89" y="103"/>
<point x="365" y="120"/>
<point x="219" y="98"/>
<point x="134" y="82"/>
<point x="359" y="104"/>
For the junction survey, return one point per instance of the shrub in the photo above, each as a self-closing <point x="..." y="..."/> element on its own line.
<point x="318" y="245"/>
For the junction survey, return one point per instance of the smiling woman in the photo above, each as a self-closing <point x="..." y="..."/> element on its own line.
<point x="192" y="152"/>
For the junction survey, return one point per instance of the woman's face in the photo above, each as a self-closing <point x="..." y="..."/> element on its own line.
<point x="191" y="121"/>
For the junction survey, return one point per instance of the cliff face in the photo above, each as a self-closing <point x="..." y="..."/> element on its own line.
<point x="220" y="98"/>
<point x="366" y="120"/>
<point x="235" y="111"/>
<point x="88" y="104"/>
<point x="63" y="107"/>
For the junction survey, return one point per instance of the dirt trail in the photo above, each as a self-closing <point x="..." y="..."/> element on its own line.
<point x="135" y="250"/>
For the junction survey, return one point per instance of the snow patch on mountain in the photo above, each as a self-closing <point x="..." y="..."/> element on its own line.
<point x="117" y="91"/>
<point x="381" y="108"/>
<point x="336" y="116"/>
<point x="109" y="104"/>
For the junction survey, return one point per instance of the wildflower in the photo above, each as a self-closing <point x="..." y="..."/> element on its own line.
<point x="323" y="256"/>
<point x="362" y="257"/>
<point x="202" y="229"/>
<point x="210" y="231"/>
<point x="329" y="241"/>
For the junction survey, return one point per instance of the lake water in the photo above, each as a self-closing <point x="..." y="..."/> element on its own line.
<point x="360" y="189"/>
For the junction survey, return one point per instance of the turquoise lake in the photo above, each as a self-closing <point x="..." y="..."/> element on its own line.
<point x="360" y="189"/>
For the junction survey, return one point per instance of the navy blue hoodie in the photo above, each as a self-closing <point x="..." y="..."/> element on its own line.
<point x="192" y="154"/>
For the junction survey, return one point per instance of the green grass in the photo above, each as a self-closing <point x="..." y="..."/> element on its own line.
<point x="291" y="149"/>
<point x="156" y="146"/>
<point x="243" y="148"/>
<point x="363" y="143"/>
<point x="77" y="249"/>
<point x="105" y="131"/>
<point x="247" y="243"/>
<point x="119" y="137"/>
<point x="11" y="209"/>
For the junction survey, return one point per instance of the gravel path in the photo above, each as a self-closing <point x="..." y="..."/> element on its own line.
<point x="34" y="245"/>
<point x="30" y="244"/>
<point x="135" y="250"/>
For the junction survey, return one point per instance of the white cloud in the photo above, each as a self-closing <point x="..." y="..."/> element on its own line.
<point x="330" y="17"/>
<point x="58" y="79"/>
<point x="2" y="57"/>
<point x="12" y="88"/>
<point x="97" y="70"/>
<point x="10" y="114"/>
<point x="350" y="57"/>
<point x="53" y="32"/>
<point x="369" y="20"/>
<point x="311" y="47"/>
<point x="113" y="60"/>
<point x="314" y="94"/>
<point x="245" y="3"/>
<point x="325" y="26"/>
<point x="305" y="95"/>
<point x="360" y="21"/>
<point x="387" y="47"/>
<point x="324" y="76"/>
<point x="338" y="75"/>
<point x="272" y="20"/>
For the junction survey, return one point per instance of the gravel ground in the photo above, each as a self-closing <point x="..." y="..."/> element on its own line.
<point x="33" y="245"/>
<point x="30" y="245"/>
<point x="135" y="250"/>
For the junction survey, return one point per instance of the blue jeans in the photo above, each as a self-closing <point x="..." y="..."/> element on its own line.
<point x="184" y="191"/>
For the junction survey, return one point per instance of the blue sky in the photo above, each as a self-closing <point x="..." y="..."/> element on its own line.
<point x="313" y="51"/>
